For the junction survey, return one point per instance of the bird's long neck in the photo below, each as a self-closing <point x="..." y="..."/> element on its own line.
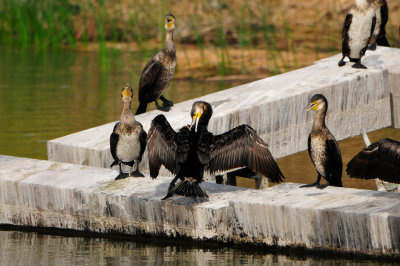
<point x="319" y="120"/>
<point x="169" y="45"/>
<point x="362" y="4"/>
<point x="126" y="115"/>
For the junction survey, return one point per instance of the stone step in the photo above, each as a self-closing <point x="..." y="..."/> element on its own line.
<point x="65" y="196"/>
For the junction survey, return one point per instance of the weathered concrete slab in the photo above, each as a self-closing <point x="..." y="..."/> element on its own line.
<point x="56" y="195"/>
<point x="358" y="100"/>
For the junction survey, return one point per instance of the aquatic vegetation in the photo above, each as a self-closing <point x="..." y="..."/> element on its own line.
<point x="294" y="33"/>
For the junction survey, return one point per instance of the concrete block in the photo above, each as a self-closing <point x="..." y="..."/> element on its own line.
<point x="64" y="196"/>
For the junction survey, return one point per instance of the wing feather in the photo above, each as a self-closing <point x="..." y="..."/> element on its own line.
<point x="113" y="145"/>
<point x="241" y="147"/>
<point x="335" y="165"/>
<point x="379" y="160"/>
<point x="149" y="75"/>
<point x="162" y="147"/>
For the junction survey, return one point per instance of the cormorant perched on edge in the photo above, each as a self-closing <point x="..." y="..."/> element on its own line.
<point x="382" y="17"/>
<point x="358" y="27"/>
<point x="158" y="72"/>
<point x="128" y="139"/>
<point x="193" y="149"/>
<point x="322" y="146"/>
<point x="380" y="159"/>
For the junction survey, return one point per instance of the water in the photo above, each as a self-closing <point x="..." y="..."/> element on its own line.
<point x="51" y="94"/>
<point x="31" y="248"/>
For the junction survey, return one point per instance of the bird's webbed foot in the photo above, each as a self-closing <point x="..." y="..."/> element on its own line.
<point x="323" y="186"/>
<point x="137" y="174"/>
<point x="122" y="176"/>
<point x="162" y="107"/>
<point x="372" y="47"/>
<point x="341" y="62"/>
<point x="315" y="184"/>
<point x="359" y="65"/>
<point x="167" y="103"/>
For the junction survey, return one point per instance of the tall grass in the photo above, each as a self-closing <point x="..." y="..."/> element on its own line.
<point x="41" y="24"/>
<point x="292" y="32"/>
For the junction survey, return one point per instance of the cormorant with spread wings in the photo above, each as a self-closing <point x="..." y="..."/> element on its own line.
<point x="193" y="149"/>
<point x="380" y="159"/>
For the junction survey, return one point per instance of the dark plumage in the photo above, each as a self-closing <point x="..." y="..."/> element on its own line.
<point x="322" y="146"/>
<point x="128" y="139"/>
<point x="382" y="17"/>
<point x="158" y="72"/>
<point x="193" y="149"/>
<point x="380" y="160"/>
<point x="357" y="31"/>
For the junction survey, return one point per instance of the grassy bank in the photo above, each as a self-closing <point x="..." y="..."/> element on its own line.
<point x="218" y="37"/>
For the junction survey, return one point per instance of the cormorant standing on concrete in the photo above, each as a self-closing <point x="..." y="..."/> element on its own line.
<point x="357" y="32"/>
<point x="193" y="149"/>
<point x="382" y="17"/>
<point x="380" y="159"/>
<point x="322" y="146"/>
<point x="128" y="139"/>
<point x="158" y="72"/>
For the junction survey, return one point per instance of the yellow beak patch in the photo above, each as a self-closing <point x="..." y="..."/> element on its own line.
<point x="198" y="115"/>
<point x="315" y="106"/>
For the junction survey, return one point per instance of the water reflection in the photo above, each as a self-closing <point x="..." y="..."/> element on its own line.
<point x="30" y="248"/>
<point x="49" y="94"/>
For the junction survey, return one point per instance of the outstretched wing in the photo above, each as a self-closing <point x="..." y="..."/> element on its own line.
<point x="241" y="147"/>
<point x="162" y="146"/>
<point x="379" y="160"/>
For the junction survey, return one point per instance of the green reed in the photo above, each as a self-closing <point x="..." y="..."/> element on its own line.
<point x="41" y="24"/>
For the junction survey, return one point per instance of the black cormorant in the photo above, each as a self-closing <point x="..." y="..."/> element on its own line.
<point x="322" y="146"/>
<point x="158" y="72"/>
<point x="380" y="159"/>
<point x="193" y="149"/>
<point x="128" y="139"/>
<point x="357" y="31"/>
<point x="382" y="17"/>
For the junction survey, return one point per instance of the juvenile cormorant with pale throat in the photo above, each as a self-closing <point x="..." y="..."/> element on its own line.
<point x="158" y="72"/>
<point x="357" y="30"/>
<point x="322" y="146"/>
<point x="128" y="139"/>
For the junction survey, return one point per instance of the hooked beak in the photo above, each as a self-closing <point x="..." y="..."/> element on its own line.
<point x="195" y="121"/>
<point x="311" y="106"/>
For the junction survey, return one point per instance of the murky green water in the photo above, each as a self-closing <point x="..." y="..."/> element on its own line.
<point x="51" y="94"/>
<point x="30" y="248"/>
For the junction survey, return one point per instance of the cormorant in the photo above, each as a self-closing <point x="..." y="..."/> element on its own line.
<point x="382" y="17"/>
<point x="194" y="149"/>
<point x="128" y="139"/>
<point x="158" y="72"/>
<point x="380" y="159"/>
<point x="358" y="27"/>
<point x="322" y="146"/>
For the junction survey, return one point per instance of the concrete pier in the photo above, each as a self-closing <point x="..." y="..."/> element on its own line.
<point x="65" y="196"/>
<point x="358" y="100"/>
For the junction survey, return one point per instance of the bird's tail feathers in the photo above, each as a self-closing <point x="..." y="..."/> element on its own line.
<point x="141" y="109"/>
<point x="188" y="188"/>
